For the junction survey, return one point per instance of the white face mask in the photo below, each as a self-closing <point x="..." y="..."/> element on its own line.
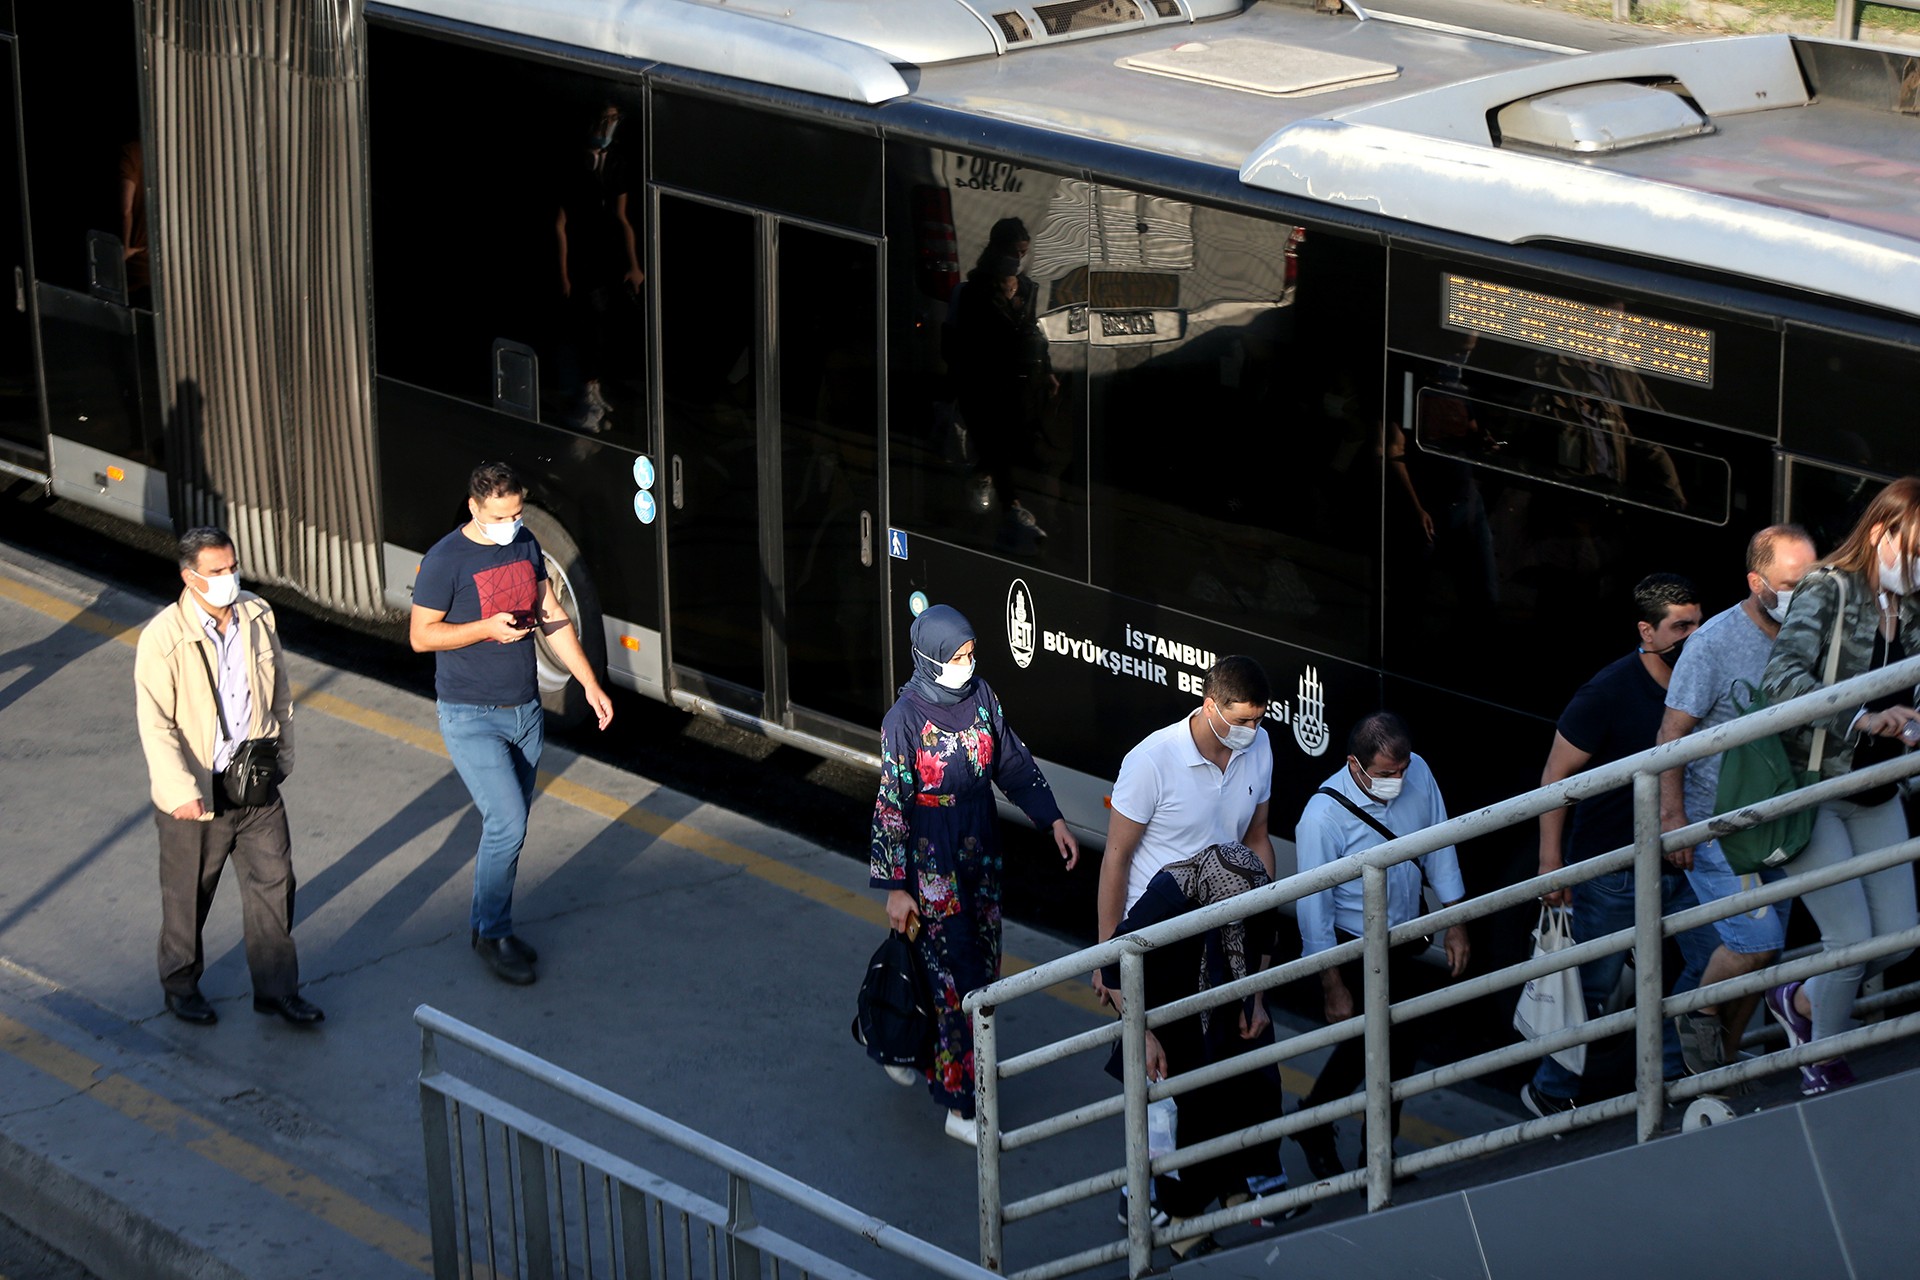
<point x="1778" y="610"/>
<point x="222" y="589"/>
<point x="1238" y="737"/>
<point x="501" y="534"/>
<point x="1384" y="789"/>
<point x="953" y="675"/>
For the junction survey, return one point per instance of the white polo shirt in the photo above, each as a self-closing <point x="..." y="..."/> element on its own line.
<point x="1184" y="800"/>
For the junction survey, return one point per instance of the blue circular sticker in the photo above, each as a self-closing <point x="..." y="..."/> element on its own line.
<point x="917" y="603"/>
<point x="643" y="474"/>
<point x="643" y="506"/>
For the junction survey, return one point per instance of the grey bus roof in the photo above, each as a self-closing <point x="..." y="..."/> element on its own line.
<point x="1818" y="193"/>
<point x="838" y="48"/>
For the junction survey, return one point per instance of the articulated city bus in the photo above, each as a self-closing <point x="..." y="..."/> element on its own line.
<point x="1390" y="354"/>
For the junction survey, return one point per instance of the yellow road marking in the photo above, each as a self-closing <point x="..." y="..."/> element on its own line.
<point x="171" y="1121"/>
<point x="1078" y="994"/>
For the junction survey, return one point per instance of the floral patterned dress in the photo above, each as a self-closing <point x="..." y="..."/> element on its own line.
<point x="935" y="835"/>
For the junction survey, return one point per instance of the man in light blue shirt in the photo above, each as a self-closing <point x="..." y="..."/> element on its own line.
<point x="1384" y="790"/>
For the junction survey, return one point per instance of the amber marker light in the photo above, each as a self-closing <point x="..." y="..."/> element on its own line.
<point x="630" y="642"/>
<point x="116" y="474"/>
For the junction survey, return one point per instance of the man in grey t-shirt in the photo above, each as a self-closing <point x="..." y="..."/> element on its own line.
<point x="1731" y="647"/>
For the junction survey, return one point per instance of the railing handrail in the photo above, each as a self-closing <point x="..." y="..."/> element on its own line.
<point x="1792" y="714"/>
<point x="1379" y="1014"/>
<point x="727" y="1159"/>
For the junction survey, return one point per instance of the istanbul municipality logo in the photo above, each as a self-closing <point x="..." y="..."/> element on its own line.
<point x="1310" y="714"/>
<point x="1020" y="623"/>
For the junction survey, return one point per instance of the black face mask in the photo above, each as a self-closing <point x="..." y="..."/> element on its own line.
<point x="1668" y="655"/>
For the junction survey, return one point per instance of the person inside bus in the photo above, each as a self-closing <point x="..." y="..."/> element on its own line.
<point x="1003" y="379"/>
<point x="1877" y="571"/>
<point x="599" y="267"/>
<point x="1616" y="714"/>
<point x="1730" y="647"/>
<point x="935" y="845"/>
<point x="1382" y="791"/>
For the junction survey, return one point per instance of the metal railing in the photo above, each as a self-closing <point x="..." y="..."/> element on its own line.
<point x="512" y="1195"/>
<point x="1378" y="1019"/>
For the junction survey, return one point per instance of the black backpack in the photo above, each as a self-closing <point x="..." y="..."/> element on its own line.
<point x="895" y="1018"/>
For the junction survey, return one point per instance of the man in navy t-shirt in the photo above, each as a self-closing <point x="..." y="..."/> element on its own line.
<point x="479" y="594"/>
<point x="1614" y="715"/>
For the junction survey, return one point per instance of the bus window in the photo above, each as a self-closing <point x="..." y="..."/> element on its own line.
<point x="1521" y="513"/>
<point x="511" y="213"/>
<point x="80" y="118"/>
<point x="987" y="382"/>
<point x="1828" y="501"/>
<point x="1850" y="401"/>
<point x="1234" y="375"/>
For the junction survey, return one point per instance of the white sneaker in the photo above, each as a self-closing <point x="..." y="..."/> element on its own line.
<point x="905" y="1077"/>
<point x="962" y="1130"/>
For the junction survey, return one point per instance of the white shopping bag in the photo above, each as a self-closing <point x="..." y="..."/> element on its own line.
<point x="1553" y="1002"/>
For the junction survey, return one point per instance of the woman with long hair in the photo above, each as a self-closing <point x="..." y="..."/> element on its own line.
<point x="936" y="838"/>
<point x="1870" y="590"/>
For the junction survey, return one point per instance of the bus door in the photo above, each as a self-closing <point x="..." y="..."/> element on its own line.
<point x="23" y="440"/>
<point x="770" y="383"/>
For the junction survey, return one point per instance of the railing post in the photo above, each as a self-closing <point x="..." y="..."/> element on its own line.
<point x="441" y="1219"/>
<point x="533" y="1199"/>
<point x="1846" y="19"/>
<point x="1623" y="10"/>
<point x="1376" y="1036"/>
<point x="1133" y="1060"/>
<point x="1648" y="959"/>
<point x="743" y="1260"/>
<point x="986" y="1102"/>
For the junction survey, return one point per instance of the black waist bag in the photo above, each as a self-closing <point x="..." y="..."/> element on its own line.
<point x="895" y="1018"/>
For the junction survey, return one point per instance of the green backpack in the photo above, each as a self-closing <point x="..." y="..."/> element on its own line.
<point x="1759" y="770"/>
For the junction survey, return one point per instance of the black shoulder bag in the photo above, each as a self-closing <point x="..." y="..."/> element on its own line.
<point x="1373" y="822"/>
<point x="248" y="777"/>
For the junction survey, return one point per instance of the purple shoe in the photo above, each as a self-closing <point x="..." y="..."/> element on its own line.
<point x="1823" y="1077"/>
<point x="1780" y="1005"/>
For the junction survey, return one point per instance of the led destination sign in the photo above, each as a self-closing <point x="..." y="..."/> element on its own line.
<point x="1618" y="338"/>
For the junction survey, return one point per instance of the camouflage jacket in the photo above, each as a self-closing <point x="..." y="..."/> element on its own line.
<point x="1798" y="662"/>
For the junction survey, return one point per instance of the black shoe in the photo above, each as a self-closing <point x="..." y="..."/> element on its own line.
<point x="519" y="946"/>
<point x="1322" y="1159"/>
<point x="294" y="1009"/>
<point x="191" y="1007"/>
<point x="504" y="959"/>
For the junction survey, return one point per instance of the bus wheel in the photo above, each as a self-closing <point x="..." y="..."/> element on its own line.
<point x="560" y="693"/>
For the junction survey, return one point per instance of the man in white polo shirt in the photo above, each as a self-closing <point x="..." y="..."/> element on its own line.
<point x="1200" y="781"/>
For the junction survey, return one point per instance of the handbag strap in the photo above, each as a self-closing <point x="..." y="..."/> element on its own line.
<point x="1359" y="813"/>
<point x="1833" y="669"/>
<point x="214" y="685"/>
<point x="1373" y="822"/>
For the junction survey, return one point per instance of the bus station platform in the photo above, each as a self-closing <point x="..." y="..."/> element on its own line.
<point x="699" y="962"/>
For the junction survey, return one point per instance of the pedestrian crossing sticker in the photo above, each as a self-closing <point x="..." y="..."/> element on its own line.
<point x="897" y="543"/>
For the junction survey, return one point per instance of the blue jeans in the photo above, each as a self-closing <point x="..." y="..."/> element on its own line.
<point x="496" y="751"/>
<point x="1604" y="905"/>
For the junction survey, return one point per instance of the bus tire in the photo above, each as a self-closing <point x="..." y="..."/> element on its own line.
<point x="565" y="701"/>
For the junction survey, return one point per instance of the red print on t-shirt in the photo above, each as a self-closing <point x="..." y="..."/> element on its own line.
<point x="505" y="588"/>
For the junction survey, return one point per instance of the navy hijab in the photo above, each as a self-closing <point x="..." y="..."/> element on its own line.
<point x="937" y="635"/>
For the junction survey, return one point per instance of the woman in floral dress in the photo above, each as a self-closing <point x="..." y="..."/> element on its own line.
<point x="936" y="846"/>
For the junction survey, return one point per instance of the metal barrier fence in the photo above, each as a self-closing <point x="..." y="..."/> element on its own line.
<point x="1378" y="1019"/>
<point x="511" y="1195"/>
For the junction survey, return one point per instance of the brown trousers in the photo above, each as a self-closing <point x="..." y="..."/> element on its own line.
<point x="192" y="855"/>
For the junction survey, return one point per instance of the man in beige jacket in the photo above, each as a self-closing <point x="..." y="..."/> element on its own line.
<point x="208" y="677"/>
